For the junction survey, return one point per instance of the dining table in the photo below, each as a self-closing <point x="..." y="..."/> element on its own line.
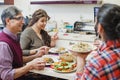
<point x="48" y="71"/>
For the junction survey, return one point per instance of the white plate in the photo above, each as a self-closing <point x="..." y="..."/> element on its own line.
<point x="65" y="71"/>
<point x="90" y="48"/>
<point x="54" y="57"/>
<point x="55" y="50"/>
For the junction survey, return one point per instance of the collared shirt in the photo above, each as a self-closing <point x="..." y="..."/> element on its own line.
<point x="104" y="65"/>
<point x="6" y="58"/>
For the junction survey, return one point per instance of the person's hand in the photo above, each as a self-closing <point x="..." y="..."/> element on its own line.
<point x="55" y="36"/>
<point x="37" y="64"/>
<point x="97" y="42"/>
<point x="40" y="53"/>
<point x="45" y="48"/>
<point x="81" y="59"/>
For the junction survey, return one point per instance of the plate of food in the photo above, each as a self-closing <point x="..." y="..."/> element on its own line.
<point x="82" y="47"/>
<point x="57" y="50"/>
<point x="49" y="59"/>
<point x="63" y="67"/>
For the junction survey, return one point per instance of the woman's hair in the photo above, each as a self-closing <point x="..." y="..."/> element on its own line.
<point x="109" y="17"/>
<point x="35" y="17"/>
<point x="46" y="38"/>
<point x="9" y="12"/>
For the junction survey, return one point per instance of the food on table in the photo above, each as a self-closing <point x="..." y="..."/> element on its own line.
<point x="81" y="47"/>
<point x="48" y="60"/>
<point x="61" y="49"/>
<point x="66" y="57"/>
<point x="58" y="50"/>
<point x="63" y="66"/>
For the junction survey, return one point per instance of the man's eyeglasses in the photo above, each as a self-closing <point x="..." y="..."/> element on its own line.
<point x="17" y="18"/>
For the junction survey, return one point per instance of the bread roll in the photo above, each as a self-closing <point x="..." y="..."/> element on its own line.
<point x="66" y="57"/>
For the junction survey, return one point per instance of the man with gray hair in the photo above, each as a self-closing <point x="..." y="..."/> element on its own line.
<point x="11" y="59"/>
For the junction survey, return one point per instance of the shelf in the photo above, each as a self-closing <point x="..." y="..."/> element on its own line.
<point x="67" y="2"/>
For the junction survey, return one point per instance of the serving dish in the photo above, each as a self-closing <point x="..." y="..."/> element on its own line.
<point x="52" y="58"/>
<point x="57" y="50"/>
<point x="63" y="67"/>
<point x="82" y="47"/>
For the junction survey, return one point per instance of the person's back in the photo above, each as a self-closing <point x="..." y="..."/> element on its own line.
<point x="105" y="63"/>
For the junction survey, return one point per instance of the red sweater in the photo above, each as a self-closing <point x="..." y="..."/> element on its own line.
<point x="17" y="52"/>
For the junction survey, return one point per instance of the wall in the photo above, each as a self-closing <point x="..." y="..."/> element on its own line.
<point x="60" y="12"/>
<point x="23" y="5"/>
<point x="2" y="7"/>
<point x="65" y="12"/>
<point x="68" y="12"/>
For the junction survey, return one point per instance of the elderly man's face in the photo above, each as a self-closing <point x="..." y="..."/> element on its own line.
<point x="15" y="23"/>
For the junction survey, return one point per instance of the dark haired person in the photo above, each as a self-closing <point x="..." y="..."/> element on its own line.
<point x="11" y="60"/>
<point x="105" y="63"/>
<point x="34" y="38"/>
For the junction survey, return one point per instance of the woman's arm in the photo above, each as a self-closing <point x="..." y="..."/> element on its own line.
<point x="38" y="54"/>
<point x="81" y="60"/>
<point x="25" y="41"/>
<point x="80" y="64"/>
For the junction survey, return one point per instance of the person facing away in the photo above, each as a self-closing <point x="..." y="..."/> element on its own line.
<point x="34" y="38"/>
<point x="11" y="60"/>
<point x="105" y="63"/>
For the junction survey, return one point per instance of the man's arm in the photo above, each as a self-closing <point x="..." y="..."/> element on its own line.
<point x="6" y="70"/>
<point x="6" y="58"/>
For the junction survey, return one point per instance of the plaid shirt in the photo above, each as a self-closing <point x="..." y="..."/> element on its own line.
<point x="105" y="63"/>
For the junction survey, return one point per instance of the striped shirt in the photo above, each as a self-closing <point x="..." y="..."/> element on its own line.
<point x="105" y="63"/>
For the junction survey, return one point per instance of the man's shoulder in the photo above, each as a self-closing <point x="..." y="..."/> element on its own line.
<point x="3" y="43"/>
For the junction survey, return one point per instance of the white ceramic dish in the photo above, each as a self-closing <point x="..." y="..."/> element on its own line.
<point x="54" y="57"/>
<point x="65" y="71"/>
<point x="71" y="69"/>
<point x="87" y="50"/>
<point x="55" y="50"/>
